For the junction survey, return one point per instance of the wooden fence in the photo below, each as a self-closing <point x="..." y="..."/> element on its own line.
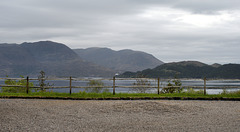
<point x="114" y="86"/>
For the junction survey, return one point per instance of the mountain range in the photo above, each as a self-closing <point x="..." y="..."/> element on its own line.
<point x="189" y="69"/>
<point x="119" y="61"/>
<point x="53" y="58"/>
<point x="56" y="59"/>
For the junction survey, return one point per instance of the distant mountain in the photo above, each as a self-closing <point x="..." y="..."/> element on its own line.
<point x="16" y="60"/>
<point x="189" y="69"/>
<point x="54" y="58"/>
<point x="119" y="61"/>
<point x="47" y="51"/>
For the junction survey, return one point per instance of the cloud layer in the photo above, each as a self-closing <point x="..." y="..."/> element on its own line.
<point x="206" y="30"/>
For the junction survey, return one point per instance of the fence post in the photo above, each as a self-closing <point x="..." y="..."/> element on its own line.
<point x="114" y="85"/>
<point x="205" y="85"/>
<point x="158" y="85"/>
<point x="27" y="84"/>
<point x="70" y="85"/>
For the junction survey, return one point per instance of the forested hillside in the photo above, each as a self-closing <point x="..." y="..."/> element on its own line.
<point x="189" y="69"/>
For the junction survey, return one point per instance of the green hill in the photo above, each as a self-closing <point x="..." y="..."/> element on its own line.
<point x="189" y="69"/>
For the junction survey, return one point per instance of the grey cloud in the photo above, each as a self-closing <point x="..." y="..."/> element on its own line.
<point x="207" y="6"/>
<point x="196" y="6"/>
<point x="118" y="24"/>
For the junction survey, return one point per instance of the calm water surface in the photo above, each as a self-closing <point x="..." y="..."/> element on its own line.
<point x="211" y="83"/>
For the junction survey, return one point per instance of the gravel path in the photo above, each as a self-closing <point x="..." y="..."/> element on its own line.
<point x="141" y="115"/>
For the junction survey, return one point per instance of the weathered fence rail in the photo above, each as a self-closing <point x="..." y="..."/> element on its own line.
<point x="157" y="85"/>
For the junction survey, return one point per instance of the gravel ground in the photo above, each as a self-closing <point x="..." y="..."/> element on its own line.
<point x="142" y="115"/>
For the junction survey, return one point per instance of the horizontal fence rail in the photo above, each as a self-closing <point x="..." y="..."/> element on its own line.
<point x="157" y="85"/>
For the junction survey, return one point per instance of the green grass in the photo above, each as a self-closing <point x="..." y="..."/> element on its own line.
<point x="118" y="95"/>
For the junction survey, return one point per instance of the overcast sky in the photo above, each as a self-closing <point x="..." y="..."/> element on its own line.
<point x="171" y="30"/>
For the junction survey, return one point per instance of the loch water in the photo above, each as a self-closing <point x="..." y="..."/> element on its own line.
<point x="194" y="82"/>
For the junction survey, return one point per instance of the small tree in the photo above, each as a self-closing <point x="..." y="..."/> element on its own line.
<point x="42" y="78"/>
<point x="13" y="89"/>
<point x="173" y="86"/>
<point x="97" y="87"/>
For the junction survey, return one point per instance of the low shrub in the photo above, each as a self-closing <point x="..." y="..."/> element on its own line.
<point x="20" y="83"/>
<point x="192" y="91"/>
<point x="97" y="87"/>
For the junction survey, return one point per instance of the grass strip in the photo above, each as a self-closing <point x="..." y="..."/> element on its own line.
<point x="121" y="96"/>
